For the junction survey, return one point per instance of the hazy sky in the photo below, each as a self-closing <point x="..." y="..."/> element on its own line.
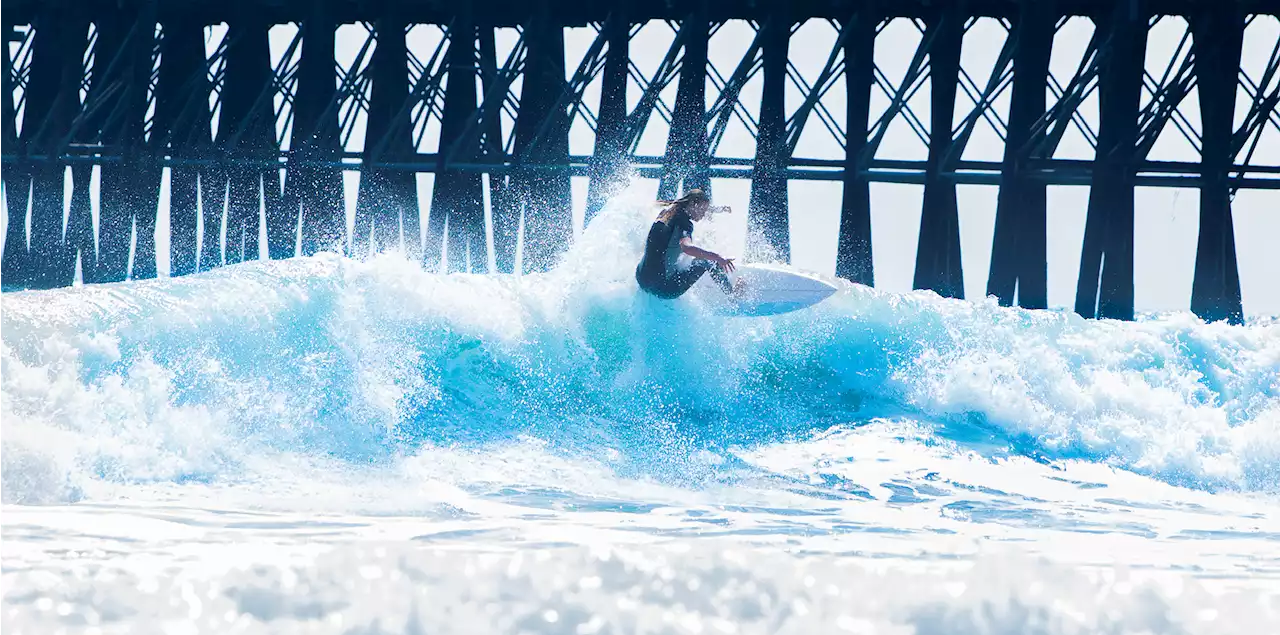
<point x="1167" y="219"/>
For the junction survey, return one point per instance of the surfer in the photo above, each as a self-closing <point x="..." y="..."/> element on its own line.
<point x="662" y="271"/>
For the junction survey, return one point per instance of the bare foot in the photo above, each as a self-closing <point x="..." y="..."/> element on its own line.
<point x="739" y="287"/>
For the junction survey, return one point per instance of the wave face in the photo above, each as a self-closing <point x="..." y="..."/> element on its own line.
<point x="214" y="376"/>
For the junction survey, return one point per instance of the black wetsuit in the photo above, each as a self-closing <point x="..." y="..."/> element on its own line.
<point x="660" y="271"/>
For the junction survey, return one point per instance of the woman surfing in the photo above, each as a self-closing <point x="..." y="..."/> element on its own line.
<point x="662" y="271"/>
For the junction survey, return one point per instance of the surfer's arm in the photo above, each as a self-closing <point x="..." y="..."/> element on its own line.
<point x="687" y="246"/>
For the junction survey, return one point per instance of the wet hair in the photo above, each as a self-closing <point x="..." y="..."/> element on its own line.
<point x="690" y="198"/>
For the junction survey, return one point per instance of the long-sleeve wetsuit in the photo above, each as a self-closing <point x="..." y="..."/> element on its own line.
<point x="660" y="271"/>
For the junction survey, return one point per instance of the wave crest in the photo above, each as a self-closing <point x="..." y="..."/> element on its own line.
<point x="189" y="378"/>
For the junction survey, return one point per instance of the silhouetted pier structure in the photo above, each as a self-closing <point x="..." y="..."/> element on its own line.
<point x="144" y="104"/>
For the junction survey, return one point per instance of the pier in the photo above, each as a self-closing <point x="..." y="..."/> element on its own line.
<point x="129" y="88"/>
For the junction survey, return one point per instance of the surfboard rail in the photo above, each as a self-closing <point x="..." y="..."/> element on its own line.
<point x="769" y="289"/>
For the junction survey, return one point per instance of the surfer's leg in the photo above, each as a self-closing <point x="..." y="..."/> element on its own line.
<point x="685" y="278"/>
<point x="719" y="276"/>
<point x="661" y="287"/>
<point x="665" y="287"/>
<point x="678" y="281"/>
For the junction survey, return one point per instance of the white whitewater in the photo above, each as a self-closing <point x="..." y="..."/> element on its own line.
<point x="329" y="446"/>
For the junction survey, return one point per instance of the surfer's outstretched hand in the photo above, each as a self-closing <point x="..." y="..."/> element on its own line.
<point x="725" y="263"/>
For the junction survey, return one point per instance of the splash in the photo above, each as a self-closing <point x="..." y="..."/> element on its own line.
<point x="211" y="376"/>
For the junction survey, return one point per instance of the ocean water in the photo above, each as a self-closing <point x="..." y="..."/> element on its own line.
<point x="324" y="445"/>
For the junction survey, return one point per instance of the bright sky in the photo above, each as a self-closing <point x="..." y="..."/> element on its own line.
<point x="1167" y="219"/>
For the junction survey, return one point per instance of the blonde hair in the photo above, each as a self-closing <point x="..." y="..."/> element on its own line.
<point x="692" y="197"/>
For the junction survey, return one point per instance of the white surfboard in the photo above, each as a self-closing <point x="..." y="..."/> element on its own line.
<point x="768" y="290"/>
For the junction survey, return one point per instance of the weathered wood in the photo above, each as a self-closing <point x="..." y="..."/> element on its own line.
<point x="1105" y="286"/>
<point x="938" y="254"/>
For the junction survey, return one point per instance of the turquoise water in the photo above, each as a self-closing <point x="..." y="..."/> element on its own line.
<point x="291" y="443"/>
